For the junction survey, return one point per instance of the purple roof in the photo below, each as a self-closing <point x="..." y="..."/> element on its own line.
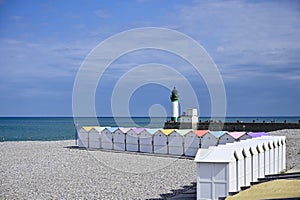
<point x="257" y="134"/>
<point x="138" y="130"/>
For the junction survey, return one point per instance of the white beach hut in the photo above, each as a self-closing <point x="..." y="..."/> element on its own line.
<point x="83" y="136"/>
<point x="251" y="145"/>
<point x="266" y="157"/>
<point x="160" y="141"/>
<point x="261" y="158"/>
<point x="282" y="153"/>
<point x="226" y="138"/>
<point x="269" y="153"/>
<point x="246" y="166"/>
<point x="276" y="154"/>
<point x="211" y="138"/>
<point x="119" y="136"/>
<point x="132" y="139"/>
<point x="176" y="141"/>
<point x="146" y="140"/>
<point x="216" y="172"/>
<point x="192" y="141"/>
<point x="95" y="137"/>
<point x="107" y="137"/>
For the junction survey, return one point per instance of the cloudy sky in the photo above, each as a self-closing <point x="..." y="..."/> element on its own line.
<point x="254" y="44"/>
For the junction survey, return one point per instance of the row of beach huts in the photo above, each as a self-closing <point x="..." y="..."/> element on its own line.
<point x="159" y="141"/>
<point x="225" y="169"/>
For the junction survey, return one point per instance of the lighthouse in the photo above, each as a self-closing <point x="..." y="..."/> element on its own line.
<point x="174" y="100"/>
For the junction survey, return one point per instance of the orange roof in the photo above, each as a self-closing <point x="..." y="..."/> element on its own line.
<point x="200" y="133"/>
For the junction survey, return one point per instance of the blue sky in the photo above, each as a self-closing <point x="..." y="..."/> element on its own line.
<point x="255" y="45"/>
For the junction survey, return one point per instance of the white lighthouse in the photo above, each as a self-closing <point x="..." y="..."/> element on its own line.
<point x="174" y="100"/>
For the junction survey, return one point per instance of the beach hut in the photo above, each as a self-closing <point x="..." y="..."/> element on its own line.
<point x="132" y="139"/>
<point x="160" y="141"/>
<point x="251" y="146"/>
<point x="261" y="157"/>
<point x="244" y="162"/>
<point x="271" y="147"/>
<point x="107" y="137"/>
<point x="226" y="138"/>
<point x="119" y="136"/>
<point x="146" y="140"/>
<point x="211" y="138"/>
<point x="95" y="137"/>
<point x="176" y="141"/>
<point x="278" y="155"/>
<point x="266" y="157"/>
<point x="216" y="172"/>
<point x="269" y="154"/>
<point x="83" y="136"/>
<point x="238" y="136"/>
<point x="192" y="141"/>
<point x="281" y="153"/>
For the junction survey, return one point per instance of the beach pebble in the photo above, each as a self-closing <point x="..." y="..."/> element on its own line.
<point x="292" y="146"/>
<point x="51" y="170"/>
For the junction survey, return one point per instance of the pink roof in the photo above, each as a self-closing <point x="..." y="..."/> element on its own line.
<point x="237" y="135"/>
<point x="200" y="133"/>
<point x="124" y="130"/>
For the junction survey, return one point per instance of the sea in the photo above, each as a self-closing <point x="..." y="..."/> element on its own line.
<point x="63" y="128"/>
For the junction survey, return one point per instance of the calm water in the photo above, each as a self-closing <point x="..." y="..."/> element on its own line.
<point x="62" y="128"/>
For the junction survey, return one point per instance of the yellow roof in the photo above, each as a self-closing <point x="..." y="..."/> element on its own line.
<point x="88" y="128"/>
<point x="167" y="131"/>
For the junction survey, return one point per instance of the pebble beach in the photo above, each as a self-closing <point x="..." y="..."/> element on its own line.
<point x="54" y="170"/>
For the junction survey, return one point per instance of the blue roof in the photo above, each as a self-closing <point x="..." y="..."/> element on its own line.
<point x="152" y="130"/>
<point x="112" y="129"/>
<point x="218" y="134"/>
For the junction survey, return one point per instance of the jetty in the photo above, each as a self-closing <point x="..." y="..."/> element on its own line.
<point x="232" y="126"/>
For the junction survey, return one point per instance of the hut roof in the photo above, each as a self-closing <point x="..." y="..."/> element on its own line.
<point x="167" y="131"/>
<point x="182" y="132"/>
<point x="257" y="134"/>
<point x="236" y="135"/>
<point x="98" y="128"/>
<point x="200" y="133"/>
<point x="124" y="130"/>
<point x="152" y="130"/>
<point x="112" y="129"/>
<point x="218" y="134"/>
<point x="87" y="128"/>
<point x="138" y="130"/>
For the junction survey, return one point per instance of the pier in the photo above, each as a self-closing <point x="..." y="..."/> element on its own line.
<point x="233" y="126"/>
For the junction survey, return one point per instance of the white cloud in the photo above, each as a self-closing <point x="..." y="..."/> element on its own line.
<point x="220" y="49"/>
<point x="258" y="36"/>
<point x="102" y="14"/>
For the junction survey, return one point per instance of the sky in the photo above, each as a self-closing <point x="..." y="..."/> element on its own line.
<point x="254" y="44"/>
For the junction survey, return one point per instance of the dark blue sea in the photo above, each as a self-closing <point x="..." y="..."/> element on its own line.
<point x="62" y="128"/>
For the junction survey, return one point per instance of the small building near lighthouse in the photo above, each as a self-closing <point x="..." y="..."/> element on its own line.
<point x="189" y="118"/>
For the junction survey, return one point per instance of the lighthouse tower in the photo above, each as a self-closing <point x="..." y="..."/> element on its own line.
<point x="174" y="100"/>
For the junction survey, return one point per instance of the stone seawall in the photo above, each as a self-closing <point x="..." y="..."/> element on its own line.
<point x="237" y="126"/>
